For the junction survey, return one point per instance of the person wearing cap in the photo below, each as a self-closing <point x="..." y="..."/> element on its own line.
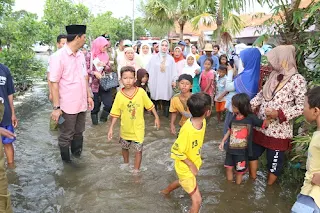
<point x="208" y="49"/>
<point x="182" y="45"/>
<point x="71" y="94"/>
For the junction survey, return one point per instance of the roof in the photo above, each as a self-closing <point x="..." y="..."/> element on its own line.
<point x="251" y="20"/>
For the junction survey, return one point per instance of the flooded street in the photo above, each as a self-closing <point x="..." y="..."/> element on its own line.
<point x="98" y="182"/>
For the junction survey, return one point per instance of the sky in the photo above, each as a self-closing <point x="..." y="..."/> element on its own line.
<point x="119" y="8"/>
<point x="96" y="6"/>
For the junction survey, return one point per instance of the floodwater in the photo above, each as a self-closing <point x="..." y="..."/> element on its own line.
<point x="99" y="182"/>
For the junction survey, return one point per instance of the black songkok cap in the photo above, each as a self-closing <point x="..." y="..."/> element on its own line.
<point x="76" y="29"/>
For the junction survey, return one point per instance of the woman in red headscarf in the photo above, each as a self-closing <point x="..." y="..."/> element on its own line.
<point x="98" y="64"/>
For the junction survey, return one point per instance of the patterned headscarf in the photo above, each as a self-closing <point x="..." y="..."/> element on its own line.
<point x="283" y="61"/>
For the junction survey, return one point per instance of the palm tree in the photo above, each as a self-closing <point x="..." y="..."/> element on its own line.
<point x="168" y="12"/>
<point x="223" y="14"/>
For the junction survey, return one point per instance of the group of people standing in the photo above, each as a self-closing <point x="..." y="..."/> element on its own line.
<point x="256" y="121"/>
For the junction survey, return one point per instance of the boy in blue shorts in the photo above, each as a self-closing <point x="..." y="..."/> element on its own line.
<point x="309" y="198"/>
<point x="9" y="120"/>
<point x="129" y="105"/>
<point x="186" y="151"/>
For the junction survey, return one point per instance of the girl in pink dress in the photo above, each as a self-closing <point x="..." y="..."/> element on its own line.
<point x="207" y="78"/>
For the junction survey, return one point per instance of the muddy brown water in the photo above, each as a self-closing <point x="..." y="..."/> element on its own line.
<point x="99" y="182"/>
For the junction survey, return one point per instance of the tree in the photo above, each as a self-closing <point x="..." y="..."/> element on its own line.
<point x="19" y="31"/>
<point x="116" y="28"/>
<point x="166" y="12"/>
<point x="222" y="13"/>
<point x="5" y="6"/>
<point x="60" y="13"/>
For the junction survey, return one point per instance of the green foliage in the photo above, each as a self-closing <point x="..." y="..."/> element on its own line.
<point x="19" y="31"/>
<point x="166" y="13"/>
<point x="57" y="15"/>
<point x="5" y="6"/>
<point x="223" y="13"/>
<point x="116" y="28"/>
<point x="300" y="27"/>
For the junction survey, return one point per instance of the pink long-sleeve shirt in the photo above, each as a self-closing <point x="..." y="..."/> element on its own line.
<point x="69" y="71"/>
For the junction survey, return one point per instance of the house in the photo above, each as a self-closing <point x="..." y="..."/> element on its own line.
<point x="248" y="35"/>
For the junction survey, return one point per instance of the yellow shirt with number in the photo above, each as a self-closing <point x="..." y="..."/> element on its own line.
<point x="177" y="106"/>
<point x="130" y="109"/>
<point x="313" y="166"/>
<point x="188" y="146"/>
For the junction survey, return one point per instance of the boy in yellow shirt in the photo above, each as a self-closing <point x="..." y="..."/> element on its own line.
<point x="186" y="151"/>
<point x="129" y="105"/>
<point x="309" y="198"/>
<point x="178" y="103"/>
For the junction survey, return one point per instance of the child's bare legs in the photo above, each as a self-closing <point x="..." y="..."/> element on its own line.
<point x="172" y="186"/>
<point x="9" y="150"/>
<point x="253" y="168"/>
<point x="219" y="117"/>
<point x="271" y="179"/>
<point x="125" y="154"/>
<point x="229" y="173"/>
<point x="239" y="178"/>
<point x="196" y="201"/>
<point x="137" y="160"/>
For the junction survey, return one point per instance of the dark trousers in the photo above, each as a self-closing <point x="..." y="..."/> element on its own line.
<point x="163" y="102"/>
<point x="72" y="128"/>
<point x="106" y="97"/>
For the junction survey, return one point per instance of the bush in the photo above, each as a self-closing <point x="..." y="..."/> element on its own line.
<point x="24" y="67"/>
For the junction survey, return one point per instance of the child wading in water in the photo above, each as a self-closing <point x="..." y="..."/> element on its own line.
<point x="129" y="105"/>
<point x="239" y="146"/>
<point x="186" y="151"/>
<point x="221" y="85"/>
<point x="309" y="198"/>
<point x="142" y="80"/>
<point x="178" y="103"/>
<point x="193" y="69"/>
<point x="207" y="78"/>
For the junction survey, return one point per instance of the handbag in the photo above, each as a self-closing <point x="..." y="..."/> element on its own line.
<point x="109" y="81"/>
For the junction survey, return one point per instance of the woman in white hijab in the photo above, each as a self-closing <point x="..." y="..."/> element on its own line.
<point x="145" y="55"/>
<point x="192" y="68"/>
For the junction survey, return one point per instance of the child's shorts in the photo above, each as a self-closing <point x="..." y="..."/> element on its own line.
<point x="189" y="185"/>
<point x="275" y="158"/>
<point x="305" y="204"/>
<point x="6" y="140"/>
<point x="239" y="162"/>
<point x="220" y="106"/>
<point x="125" y="144"/>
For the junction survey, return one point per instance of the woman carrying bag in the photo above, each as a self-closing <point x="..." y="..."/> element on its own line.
<point x="99" y="66"/>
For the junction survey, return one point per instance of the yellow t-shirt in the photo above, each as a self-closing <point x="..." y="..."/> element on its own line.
<point x="131" y="110"/>
<point x="313" y="166"/>
<point x="188" y="146"/>
<point x="177" y="106"/>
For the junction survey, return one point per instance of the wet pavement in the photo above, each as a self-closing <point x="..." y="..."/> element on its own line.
<point x="99" y="182"/>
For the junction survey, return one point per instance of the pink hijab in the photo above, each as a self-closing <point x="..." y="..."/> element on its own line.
<point x="97" y="44"/>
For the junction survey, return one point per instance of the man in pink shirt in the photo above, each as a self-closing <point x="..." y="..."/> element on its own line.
<point x="70" y="92"/>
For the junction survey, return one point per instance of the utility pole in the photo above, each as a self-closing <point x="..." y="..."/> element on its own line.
<point x="133" y="20"/>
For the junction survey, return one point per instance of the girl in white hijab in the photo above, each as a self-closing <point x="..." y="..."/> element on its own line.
<point x="145" y="55"/>
<point x="192" y="68"/>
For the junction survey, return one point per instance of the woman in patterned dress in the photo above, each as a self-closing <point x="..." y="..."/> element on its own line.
<point x="282" y="99"/>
